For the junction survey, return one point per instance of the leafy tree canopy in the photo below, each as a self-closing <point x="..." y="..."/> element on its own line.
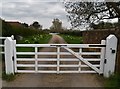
<point x="104" y="25"/>
<point x="25" y="24"/>
<point x="36" y="25"/>
<point x="82" y="13"/>
<point x="56" y="25"/>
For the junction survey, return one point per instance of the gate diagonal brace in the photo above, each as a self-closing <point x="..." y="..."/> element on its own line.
<point x="82" y="59"/>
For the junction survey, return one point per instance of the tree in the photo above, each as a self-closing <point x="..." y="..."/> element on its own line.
<point x="56" y="25"/>
<point x="80" y="13"/>
<point x="7" y="29"/>
<point x="0" y="27"/>
<point x="103" y="25"/>
<point x="25" y="24"/>
<point x="36" y="25"/>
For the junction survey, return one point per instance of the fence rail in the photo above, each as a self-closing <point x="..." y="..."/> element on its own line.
<point x="62" y="45"/>
<point x="55" y="53"/>
<point x="3" y="38"/>
<point x="2" y="45"/>
<point x="54" y="59"/>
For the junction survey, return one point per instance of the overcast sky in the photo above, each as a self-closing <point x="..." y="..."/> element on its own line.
<point x="43" y="11"/>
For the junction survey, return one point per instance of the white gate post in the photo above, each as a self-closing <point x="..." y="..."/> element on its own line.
<point x="110" y="55"/>
<point x="9" y="68"/>
<point x="102" y="57"/>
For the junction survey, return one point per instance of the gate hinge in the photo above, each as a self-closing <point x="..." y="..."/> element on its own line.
<point x="105" y="61"/>
<point x="58" y="45"/>
<point x="13" y="58"/>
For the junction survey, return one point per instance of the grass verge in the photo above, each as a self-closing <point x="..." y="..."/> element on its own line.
<point x="8" y="77"/>
<point x="70" y="39"/>
<point x="36" y="39"/>
<point x="113" y="82"/>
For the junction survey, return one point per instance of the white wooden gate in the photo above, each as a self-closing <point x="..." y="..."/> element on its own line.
<point x="66" y="58"/>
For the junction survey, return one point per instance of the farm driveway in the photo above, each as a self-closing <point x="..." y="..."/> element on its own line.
<point x="55" y="80"/>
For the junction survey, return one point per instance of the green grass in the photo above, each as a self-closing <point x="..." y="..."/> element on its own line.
<point x="35" y="39"/>
<point x="8" y="77"/>
<point x="70" y="39"/>
<point x="113" y="82"/>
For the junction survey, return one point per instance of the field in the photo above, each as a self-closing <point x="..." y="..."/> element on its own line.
<point x="44" y="39"/>
<point x="35" y="39"/>
<point x="72" y="39"/>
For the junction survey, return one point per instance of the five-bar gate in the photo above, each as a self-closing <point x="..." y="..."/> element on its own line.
<point x="61" y="58"/>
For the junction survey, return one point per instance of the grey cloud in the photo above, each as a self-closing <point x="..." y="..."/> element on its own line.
<point x="26" y="11"/>
<point x="31" y="1"/>
<point x="32" y="9"/>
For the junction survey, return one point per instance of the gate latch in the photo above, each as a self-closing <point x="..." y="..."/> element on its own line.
<point x="12" y="58"/>
<point x="112" y="50"/>
<point x="105" y="61"/>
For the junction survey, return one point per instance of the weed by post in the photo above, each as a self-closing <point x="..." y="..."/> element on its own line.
<point x="113" y="82"/>
<point x="8" y="77"/>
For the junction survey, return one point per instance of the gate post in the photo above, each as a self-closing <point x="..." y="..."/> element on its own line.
<point x="102" y="57"/>
<point x="110" y="55"/>
<point x="9" y="68"/>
